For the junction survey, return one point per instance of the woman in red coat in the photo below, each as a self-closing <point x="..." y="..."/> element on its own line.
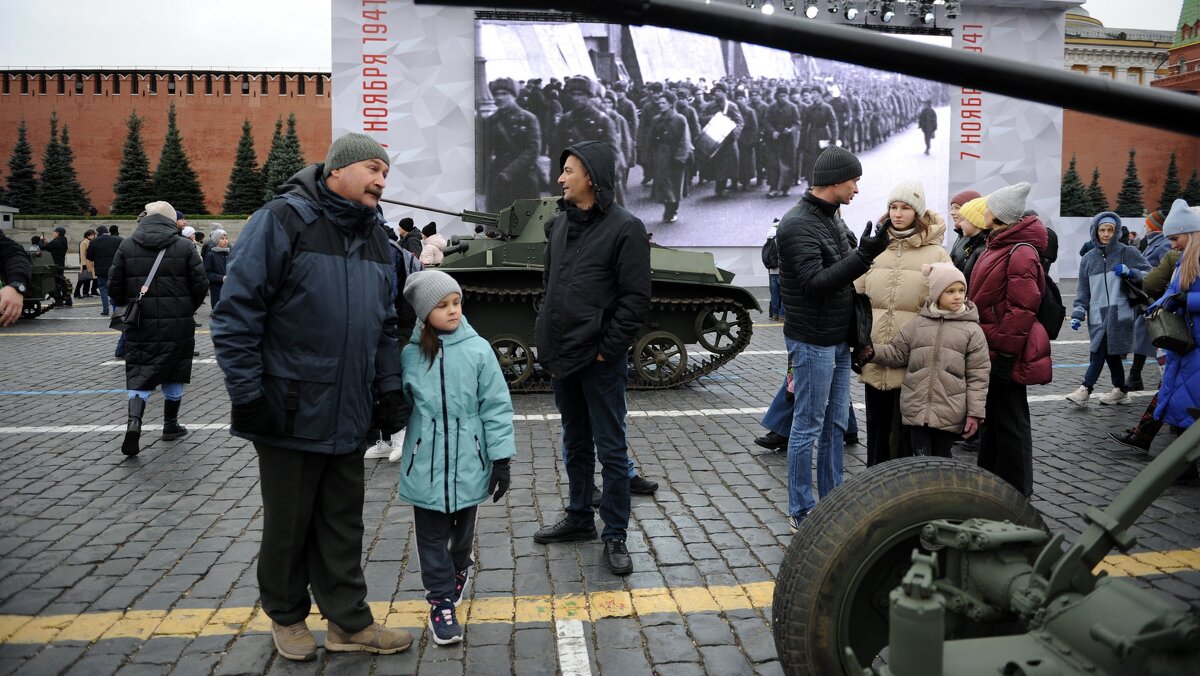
<point x="1007" y="284"/>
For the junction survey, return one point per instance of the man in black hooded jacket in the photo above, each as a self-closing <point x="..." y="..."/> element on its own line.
<point x="597" y="280"/>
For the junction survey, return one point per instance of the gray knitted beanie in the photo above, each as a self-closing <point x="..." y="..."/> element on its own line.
<point x="425" y="289"/>
<point x="1008" y="203"/>
<point x="835" y="165"/>
<point x="351" y="148"/>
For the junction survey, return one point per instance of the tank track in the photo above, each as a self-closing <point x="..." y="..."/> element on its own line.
<point x="695" y="367"/>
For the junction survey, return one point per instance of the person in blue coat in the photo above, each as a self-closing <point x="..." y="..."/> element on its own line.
<point x="1180" y="388"/>
<point x="1153" y="246"/>
<point x="458" y="442"/>
<point x="215" y="263"/>
<point x="1109" y="315"/>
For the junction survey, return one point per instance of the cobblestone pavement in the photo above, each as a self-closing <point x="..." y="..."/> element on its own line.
<point x="147" y="565"/>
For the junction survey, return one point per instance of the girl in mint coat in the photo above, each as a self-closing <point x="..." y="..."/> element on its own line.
<point x="457" y="443"/>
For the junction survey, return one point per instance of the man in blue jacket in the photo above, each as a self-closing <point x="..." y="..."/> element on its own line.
<point x="597" y="278"/>
<point x="306" y="335"/>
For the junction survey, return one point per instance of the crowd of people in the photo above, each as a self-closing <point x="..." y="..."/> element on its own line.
<point x="946" y="343"/>
<point x="768" y="132"/>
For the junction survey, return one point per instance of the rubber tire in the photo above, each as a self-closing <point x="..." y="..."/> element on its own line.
<point x="824" y="565"/>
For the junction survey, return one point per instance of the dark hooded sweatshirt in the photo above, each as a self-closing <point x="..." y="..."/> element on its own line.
<point x="160" y="349"/>
<point x="597" y="274"/>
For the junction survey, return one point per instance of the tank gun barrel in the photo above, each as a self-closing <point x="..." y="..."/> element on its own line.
<point x="1173" y="111"/>
<point x="484" y="218"/>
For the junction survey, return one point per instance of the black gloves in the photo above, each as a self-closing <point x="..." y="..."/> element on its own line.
<point x="391" y="412"/>
<point x="873" y="245"/>
<point x="1002" y="367"/>
<point x="253" y="417"/>
<point x="498" y="484"/>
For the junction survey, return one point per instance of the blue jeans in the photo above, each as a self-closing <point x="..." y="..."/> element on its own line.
<point x="592" y="404"/>
<point x="171" y="391"/>
<point x="775" y="309"/>
<point x="778" y="417"/>
<point x="103" y="285"/>
<point x="820" y="418"/>
<point x="632" y="466"/>
<point x="1096" y="361"/>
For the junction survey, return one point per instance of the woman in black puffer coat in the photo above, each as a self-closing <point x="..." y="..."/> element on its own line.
<point x="159" y="350"/>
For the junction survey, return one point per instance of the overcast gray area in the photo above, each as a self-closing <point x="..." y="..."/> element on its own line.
<point x="261" y="34"/>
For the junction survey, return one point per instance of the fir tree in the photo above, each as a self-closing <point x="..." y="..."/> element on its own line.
<point x="1191" y="191"/>
<point x="274" y="152"/>
<point x="285" y="159"/>
<point x="244" y="194"/>
<point x="1171" y="190"/>
<point x="77" y="197"/>
<point x="22" y="179"/>
<point x="1096" y="194"/>
<point x="1074" y="197"/>
<point x="1129" y="200"/>
<point x="174" y="179"/>
<point x="133" y="189"/>
<point x="50" y="185"/>
<point x="293" y="143"/>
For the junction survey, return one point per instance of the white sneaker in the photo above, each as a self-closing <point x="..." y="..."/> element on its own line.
<point x="1079" y="397"/>
<point x="397" y="447"/>
<point x="380" y="450"/>
<point x="1115" y="397"/>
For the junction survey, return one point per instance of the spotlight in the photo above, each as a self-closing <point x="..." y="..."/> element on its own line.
<point x="913" y="9"/>
<point x="768" y="7"/>
<point x="789" y="5"/>
<point x="926" y="10"/>
<point x="953" y="7"/>
<point x="873" y="7"/>
<point x="834" y="6"/>
<point x="851" y="12"/>
<point x="889" y="12"/>
<point x="810" y="9"/>
<point x="751" y="4"/>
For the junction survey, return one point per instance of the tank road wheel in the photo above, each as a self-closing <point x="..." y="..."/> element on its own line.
<point x="854" y="548"/>
<point x="516" y="360"/>
<point x="659" y="357"/>
<point x="718" y="330"/>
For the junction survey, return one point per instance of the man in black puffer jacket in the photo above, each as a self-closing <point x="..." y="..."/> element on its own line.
<point x="57" y="248"/>
<point x="597" y="280"/>
<point x="101" y="252"/>
<point x="817" y="268"/>
<point x="158" y="350"/>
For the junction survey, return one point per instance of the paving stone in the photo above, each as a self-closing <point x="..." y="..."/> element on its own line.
<point x="52" y="660"/>
<point x="622" y="661"/>
<point x="709" y="629"/>
<point x="617" y="632"/>
<point x="724" y="660"/>
<point x="669" y="643"/>
<point x="249" y="654"/>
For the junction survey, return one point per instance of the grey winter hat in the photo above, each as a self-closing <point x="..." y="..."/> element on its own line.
<point x="835" y="165"/>
<point x="351" y="148"/>
<point x="1008" y="203"/>
<point x="426" y="288"/>
<point x="1181" y="220"/>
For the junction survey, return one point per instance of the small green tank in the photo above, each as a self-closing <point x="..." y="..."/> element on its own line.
<point x="698" y="319"/>
<point x="43" y="285"/>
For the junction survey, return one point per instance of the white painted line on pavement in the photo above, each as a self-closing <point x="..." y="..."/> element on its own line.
<point x="121" y="362"/>
<point x="572" y="649"/>
<point x="528" y="417"/>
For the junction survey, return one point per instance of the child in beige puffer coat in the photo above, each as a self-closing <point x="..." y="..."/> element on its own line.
<point x="945" y="384"/>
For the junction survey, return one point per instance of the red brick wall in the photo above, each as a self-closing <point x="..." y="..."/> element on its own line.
<point x="1103" y="142"/>
<point x="210" y="125"/>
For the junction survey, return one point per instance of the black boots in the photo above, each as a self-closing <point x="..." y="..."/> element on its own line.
<point x="133" y="428"/>
<point x="171" y="427"/>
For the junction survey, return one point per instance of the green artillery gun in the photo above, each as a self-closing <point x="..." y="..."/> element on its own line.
<point x="932" y="566"/>
<point x="693" y="302"/>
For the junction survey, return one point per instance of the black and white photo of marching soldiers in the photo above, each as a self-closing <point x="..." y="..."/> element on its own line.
<point x="708" y="159"/>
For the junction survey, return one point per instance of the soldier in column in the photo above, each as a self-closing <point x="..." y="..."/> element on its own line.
<point x="672" y="147"/>
<point x="747" y="142"/>
<point x="513" y="138"/>
<point x="723" y="165"/>
<point x="781" y="131"/>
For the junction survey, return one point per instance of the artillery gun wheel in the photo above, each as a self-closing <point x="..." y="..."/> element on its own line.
<point x="515" y="357"/>
<point x="659" y="357"/>
<point x="854" y="548"/>
<point x="718" y="330"/>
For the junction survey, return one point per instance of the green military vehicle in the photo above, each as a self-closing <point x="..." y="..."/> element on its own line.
<point x="44" y="293"/>
<point x="698" y="319"/>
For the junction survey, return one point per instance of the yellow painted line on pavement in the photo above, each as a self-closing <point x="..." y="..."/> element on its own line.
<point x="192" y="622"/>
<point x="109" y="332"/>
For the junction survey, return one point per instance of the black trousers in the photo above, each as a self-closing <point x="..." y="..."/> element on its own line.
<point x="884" y="438"/>
<point x="444" y="547"/>
<point x="927" y="440"/>
<point x="312" y="536"/>
<point x="1006" y="445"/>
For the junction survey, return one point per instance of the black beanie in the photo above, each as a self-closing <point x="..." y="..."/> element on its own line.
<point x="430" y="229"/>
<point x="835" y="165"/>
<point x="406" y="224"/>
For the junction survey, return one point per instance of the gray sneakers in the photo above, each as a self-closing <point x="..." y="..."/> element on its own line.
<point x="374" y="639"/>
<point x="294" y="641"/>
